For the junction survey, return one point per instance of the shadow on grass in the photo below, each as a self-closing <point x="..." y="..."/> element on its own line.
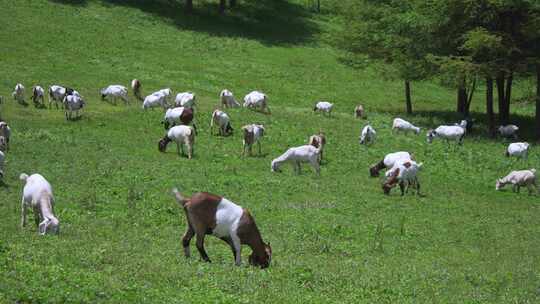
<point x="432" y="119"/>
<point x="271" y="22"/>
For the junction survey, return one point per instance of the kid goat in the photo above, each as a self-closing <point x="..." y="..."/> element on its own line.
<point x="252" y="134"/>
<point x="517" y="179"/>
<point x="388" y="162"/>
<point x="37" y="193"/>
<point x="211" y="214"/>
<point x="405" y="174"/>
<point x="297" y="155"/>
<point x="181" y="135"/>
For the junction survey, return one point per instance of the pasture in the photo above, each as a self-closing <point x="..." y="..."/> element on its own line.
<point x="335" y="238"/>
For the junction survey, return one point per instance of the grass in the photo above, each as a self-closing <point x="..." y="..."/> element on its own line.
<point x="335" y="238"/>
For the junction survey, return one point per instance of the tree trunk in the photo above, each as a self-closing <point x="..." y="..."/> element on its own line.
<point x="222" y="4"/>
<point x="489" y="106"/>
<point x="508" y="97"/>
<point x="408" y="101"/>
<point x="469" y="98"/>
<point x="461" y="98"/>
<point x="318" y="6"/>
<point x="189" y="6"/>
<point x="537" y="131"/>
<point x="501" y="98"/>
<point x="232" y="3"/>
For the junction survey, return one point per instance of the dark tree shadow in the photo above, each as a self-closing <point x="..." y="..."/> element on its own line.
<point x="268" y="21"/>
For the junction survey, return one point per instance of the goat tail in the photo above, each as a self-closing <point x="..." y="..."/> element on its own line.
<point x="179" y="198"/>
<point x="23" y="177"/>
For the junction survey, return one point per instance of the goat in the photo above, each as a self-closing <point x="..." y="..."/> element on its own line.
<point x="37" y="193"/>
<point x="58" y="93"/>
<point x="256" y="99"/>
<point x="185" y="99"/>
<point x="73" y="103"/>
<point x="252" y="133"/>
<point x="2" y="158"/>
<point x="155" y="100"/>
<point x="178" y="116"/>
<point x="223" y="122"/>
<point x="5" y="132"/>
<point x="38" y="95"/>
<point x="297" y="155"/>
<point x="405" y="174"/>
<point x="114" y="92"/>
<point x="508" y="131"/>
<point x="318" y="141"/>
<point x="18" y="93"/>
<point x="368" y="135"/>
<point x="136" y="87"/>
<point x="181" y="135"/>
<point x="400" y="124"/>
<point x="517" y="179"/>
<point x="211" y="214"/>
<point x="448" y="133"/>
<point x="227" y="99"/>
<point x="520" y="149"/>
<point x="323" y="106"/>
<point x="167" y="92"/>
<point x="359" y="111"/>
<point x="388" y="162"/>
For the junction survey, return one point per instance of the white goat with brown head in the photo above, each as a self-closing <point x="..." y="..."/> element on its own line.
<point x="318" y="141"/>
<point x="252" y="134"/>
<point x="211" y="214"/>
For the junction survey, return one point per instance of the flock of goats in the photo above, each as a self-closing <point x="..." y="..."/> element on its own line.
<point x="211" y="214"/>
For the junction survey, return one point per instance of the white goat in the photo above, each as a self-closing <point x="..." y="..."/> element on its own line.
<point x="404" y="173"/>
<point x="252" y="133"/>
<point x="37" y="194"/>
<point x="58" y="93"/>
<point x="228" y="100"/>
<point x="222" y="121"/>
<point x="18" y="93"/>
<point x="517" y="179"/>
<point x="38" y="95"/>
<point x="323" y="106"/>
<point x="167" y="92"/>
<point x="388" y="162"/>
<point x="181" y="135"/>
<point x="155" y="100"/>
<point x="5" y="132"/>
<point x="114" y="92"/>
<point x="256" y="99"/>
<point x="296" y="156"/>
<point x="185" y="99"/>
<point x="73" y="103"/>
<point x="400" y="124"/>
<point x="448" y="133"/>
<point x="519" y="149"/>
<point x="509" y="131"/>
<point x="368" y="135"/>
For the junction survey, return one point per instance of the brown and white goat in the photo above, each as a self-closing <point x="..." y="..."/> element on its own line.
<point x="252" y="133"/>
<point x="318" y="141"/>
<point x="359" y="111"/>
<point x="136" y="87"/>
<point x="211" y="214"/>
<point x="404" y="173"/>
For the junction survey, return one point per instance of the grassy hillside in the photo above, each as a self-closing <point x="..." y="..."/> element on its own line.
<point x="335" y="238"/>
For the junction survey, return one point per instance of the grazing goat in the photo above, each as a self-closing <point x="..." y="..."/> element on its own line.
<point x="37" y="194"/>
<point x="73" y="103"/>
<point x="517" y="179"/>
<point x="324" y="107"/>
<point x="2" y="158"/>
<point x="5" y="132"/>
<point x="185" y="99"/>
<point x="520" y="150"/>
<point x="404" y="173"/>
<point x="155" y="100"/>
<point x="448" y="133"/>
<point x="167" y="92"/>
<point x="18" y="93"/>
<point x="3" y="144"/>
<point x="252" y="133"/>
<point x="182" y="135"/>
<point x="400" y="124"/>
<point x="256" y="99"/>
<point x="297" y="155"/>
<point x="368" y="135"/>
<point x="58" y="93"/>
<point x="359" y="111"/>
<point x="222" y="121"/>
<point x="509" y="131"/>
<point x="228" y="100"/>
<point x="466" y="123"/>
<point x="388" y="162"/>
<point x="318" y="141"/>
<point x="178" y="116"/>
<point x="38" y="95"/>
<point x="114" y="92"/>
<point x="136" y="87"/>
<point x="211" y="214"/>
